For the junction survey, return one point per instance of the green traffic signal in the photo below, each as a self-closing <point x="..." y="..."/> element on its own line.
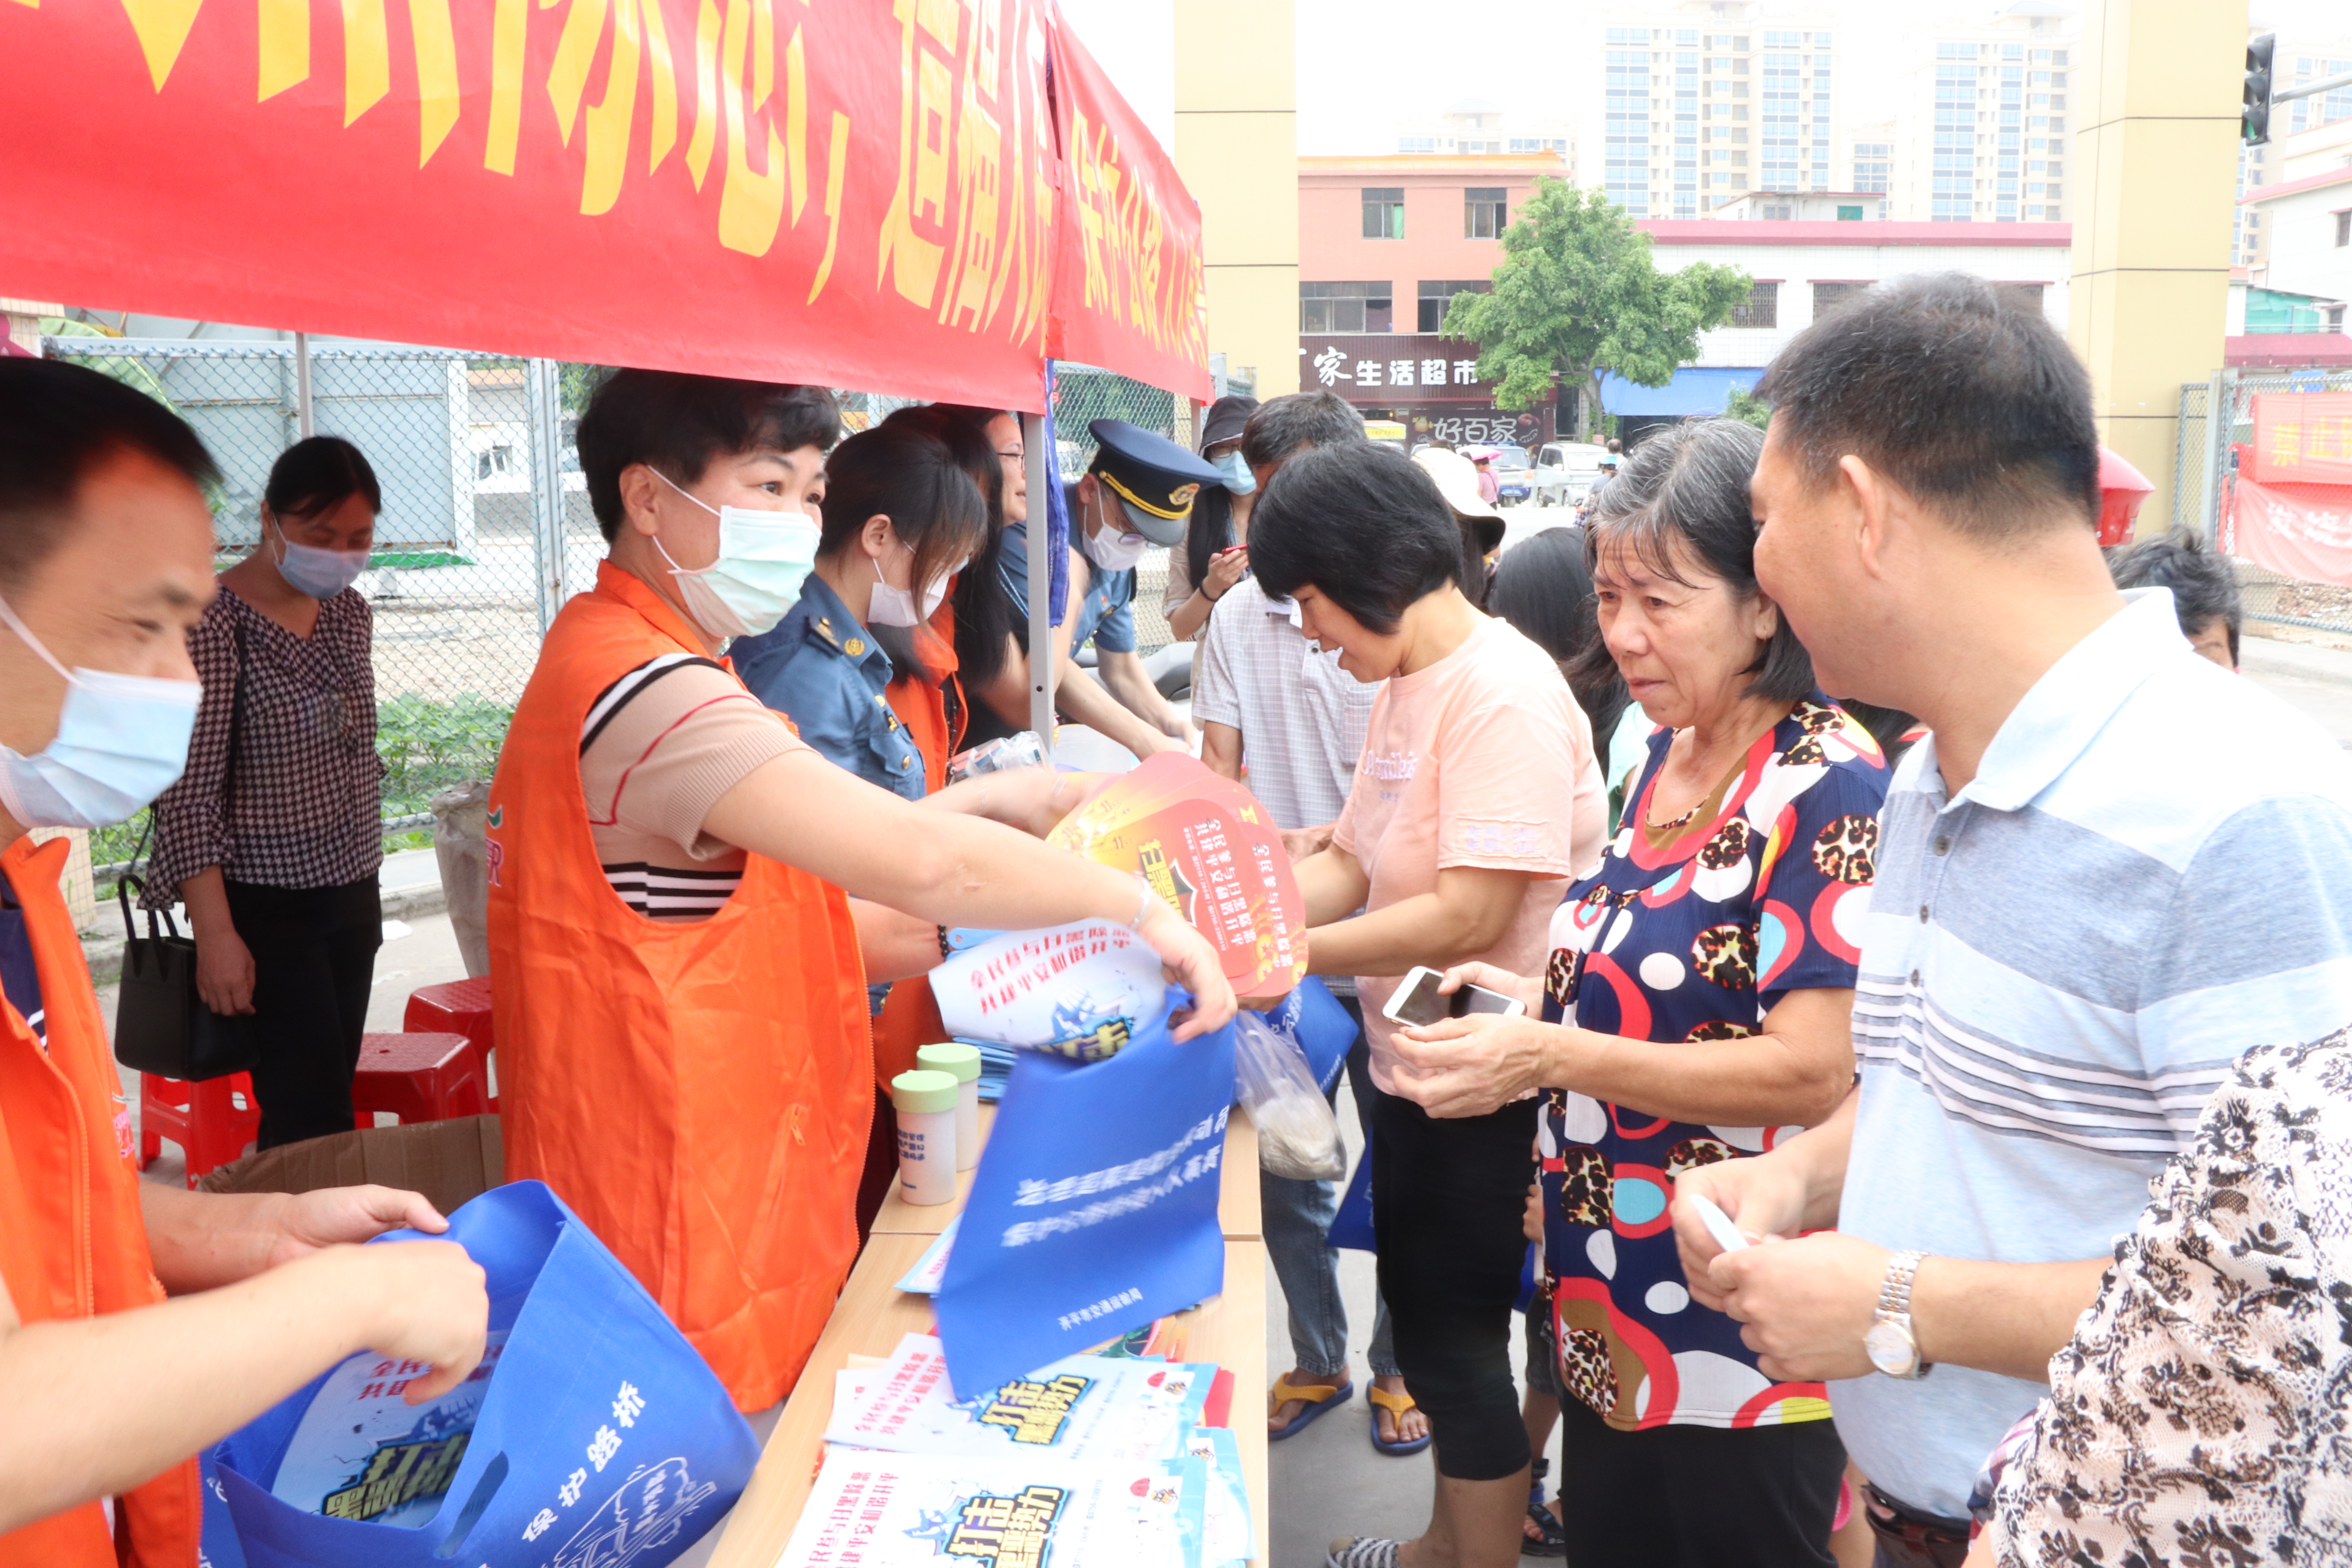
<point x="2254" y="123"/>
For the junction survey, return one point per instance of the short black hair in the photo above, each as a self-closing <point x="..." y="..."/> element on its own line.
<point x="2204" y="584"/>
<point x="1687" y="484"/>
<point x="1977" y="409"/>
<point x="1543" y="587"/>
<point x="57" y="422"/>
<point x="1363" y="523"/>
<point x="315" y="476"/>
<point x="678" y="423"/>
<point x="1282" y="427"/>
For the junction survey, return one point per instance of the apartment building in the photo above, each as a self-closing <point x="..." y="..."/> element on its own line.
<point x="1980" y="124"/>
<point x="2307" y="134"/>
<point x="1472" y="127"/>
<point x="1704" y="100"/>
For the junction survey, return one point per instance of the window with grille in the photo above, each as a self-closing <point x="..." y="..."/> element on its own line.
<point x="1762" y="306"/>
<point x="1345" y="308"/>
<point x="1383" y="212"/>
<point x="1485" y="212"/>
<point x="1437" y="294"/>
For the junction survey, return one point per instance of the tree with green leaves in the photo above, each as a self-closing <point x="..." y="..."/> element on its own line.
<point x="1577" y="294"/>
<point x="1748" y="409"/>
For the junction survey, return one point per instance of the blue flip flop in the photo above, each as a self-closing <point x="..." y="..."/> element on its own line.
<point x="1318" y="1397"/>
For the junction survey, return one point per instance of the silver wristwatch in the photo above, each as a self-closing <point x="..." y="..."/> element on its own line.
<point x="1893" y="1348"/>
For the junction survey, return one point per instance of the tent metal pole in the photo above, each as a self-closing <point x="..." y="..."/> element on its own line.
<point x="303" y="425"/>
<point x="1042" y="473"/>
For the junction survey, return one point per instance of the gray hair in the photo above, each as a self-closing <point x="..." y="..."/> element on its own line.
<point x="1688" y="485"/>
<point x="1282" y="427"/>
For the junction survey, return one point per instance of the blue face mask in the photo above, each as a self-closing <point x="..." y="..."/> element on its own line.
<point x="1236" y="469"/>
<point x="120" y="741"/>
<point x="322" y="573"/>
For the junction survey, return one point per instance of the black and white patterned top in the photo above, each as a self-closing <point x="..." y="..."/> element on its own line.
<point x="304" y="808"/>
<point x="2201" y="1415"/>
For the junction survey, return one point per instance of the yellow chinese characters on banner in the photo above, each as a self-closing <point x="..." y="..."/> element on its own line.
<point x="850" y="192"/>
<point x="2302" y="437"/>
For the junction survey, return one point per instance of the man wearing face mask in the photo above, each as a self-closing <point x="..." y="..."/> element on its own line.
<point x="109" y="1389"/>
<point x="1137" y="493"/>
<point x="679" y="978"/>
<point x="273" y="836"/>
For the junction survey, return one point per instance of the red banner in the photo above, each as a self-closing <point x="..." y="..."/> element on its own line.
<point x="2295" y="531"/>
<point x="863" y="194"/>
<point x="1127" y="290"/>
<point x="2302" y="437"/>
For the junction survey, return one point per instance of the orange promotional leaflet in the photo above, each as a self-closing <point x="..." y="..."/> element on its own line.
<point x="1207" y="847"/>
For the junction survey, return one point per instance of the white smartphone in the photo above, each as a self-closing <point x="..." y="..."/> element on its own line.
<point x="1417" y="1000"/>
<point x="1718" y="1224"/>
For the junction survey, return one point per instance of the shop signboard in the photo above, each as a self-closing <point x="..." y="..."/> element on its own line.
<point x="1428" y="383"/>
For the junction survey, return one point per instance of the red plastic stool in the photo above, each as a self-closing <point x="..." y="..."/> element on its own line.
<point x="210" y="1121"/>
<point x="418" y="1077"/>
<point x="457" y="1007"/>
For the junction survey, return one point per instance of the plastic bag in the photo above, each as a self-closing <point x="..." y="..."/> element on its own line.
<point x="1298" y="1136"/>
<point x="460" y="815"/>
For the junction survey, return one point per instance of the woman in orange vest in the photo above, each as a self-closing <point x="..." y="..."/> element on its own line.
<point x="679" y="977"/>
<point x="108" y="1388"/>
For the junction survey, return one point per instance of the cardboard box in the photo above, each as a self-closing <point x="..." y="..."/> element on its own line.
<point x="448" y="1161"/>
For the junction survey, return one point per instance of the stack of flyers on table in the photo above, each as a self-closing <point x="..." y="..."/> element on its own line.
<point x="1090" y="1459"/>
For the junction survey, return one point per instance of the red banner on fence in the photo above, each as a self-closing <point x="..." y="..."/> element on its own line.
<point x="2302" y="437"/>
<point x="2295" y="531"/>
<point x="862" y="194"/>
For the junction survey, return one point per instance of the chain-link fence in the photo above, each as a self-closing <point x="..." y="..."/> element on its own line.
<point x="486" y="526"/>
<point x="2217" y="424"/>
<point x="1082" y="394"/>
<point x="485" y="522"/>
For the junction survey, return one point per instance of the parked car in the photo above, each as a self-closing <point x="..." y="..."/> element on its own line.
<point x="1564" y="470"/>
<point x="1513" y="475"/>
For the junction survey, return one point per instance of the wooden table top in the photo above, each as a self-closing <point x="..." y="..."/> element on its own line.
<point x="873" y="1315"/>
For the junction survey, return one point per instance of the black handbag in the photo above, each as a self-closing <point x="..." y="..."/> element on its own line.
<point x="160" y="1025"/>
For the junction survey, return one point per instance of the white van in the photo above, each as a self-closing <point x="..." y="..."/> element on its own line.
<point x="1564" y="470"/>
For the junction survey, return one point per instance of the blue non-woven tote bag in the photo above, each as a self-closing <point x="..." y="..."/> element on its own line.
<point x="1095" y="1206"/>
<point x="602" y="1439"/>
<point x="1313" y="1017"/>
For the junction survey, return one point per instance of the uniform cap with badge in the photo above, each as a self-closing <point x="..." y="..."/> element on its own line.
<point x="1153" y="479"/>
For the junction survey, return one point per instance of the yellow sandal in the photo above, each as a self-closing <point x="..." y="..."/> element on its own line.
<point x="1395" y="1404"/>
<point x="1318" y="1398"/>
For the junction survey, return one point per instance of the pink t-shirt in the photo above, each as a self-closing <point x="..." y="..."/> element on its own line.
<point x="1481" y="759"/>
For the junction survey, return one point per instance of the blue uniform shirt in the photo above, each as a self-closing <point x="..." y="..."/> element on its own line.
<point x="1104" y="613"/>
<point x="823" y="670"/>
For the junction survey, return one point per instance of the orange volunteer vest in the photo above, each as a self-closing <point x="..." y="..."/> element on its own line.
<point x="72" y="1242"/>
<point x="911" y="1014"/>
<point x="698" y="1093"/>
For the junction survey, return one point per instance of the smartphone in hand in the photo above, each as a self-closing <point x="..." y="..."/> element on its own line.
<point x="1417" y="1000"/>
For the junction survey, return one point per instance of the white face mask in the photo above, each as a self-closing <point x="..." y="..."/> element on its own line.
<point x="1112" y="550"/>
<point x="763" y="558"/>
<point x="894" y="606"/>
<point x="322" y="573"/>
<point x="122" y="740"/>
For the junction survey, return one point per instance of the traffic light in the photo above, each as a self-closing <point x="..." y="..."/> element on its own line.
<point x="2254" y="126"/>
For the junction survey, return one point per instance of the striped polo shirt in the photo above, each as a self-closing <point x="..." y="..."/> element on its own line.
<point x="2151" y="873"/>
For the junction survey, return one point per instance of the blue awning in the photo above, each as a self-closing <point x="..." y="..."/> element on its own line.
<point x="1695" y="389"/>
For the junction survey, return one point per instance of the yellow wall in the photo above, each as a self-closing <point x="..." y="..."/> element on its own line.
<point x="2156" y="169"/>
<point x="1237" y="150"/>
